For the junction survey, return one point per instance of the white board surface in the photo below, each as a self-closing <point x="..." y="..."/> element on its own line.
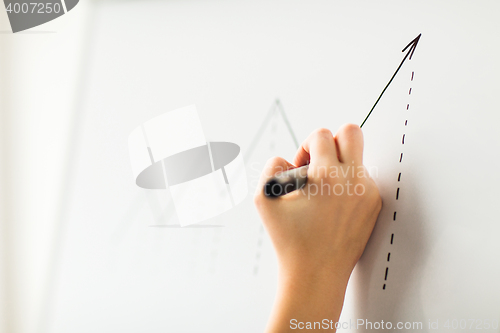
<point x="125" y="267"/>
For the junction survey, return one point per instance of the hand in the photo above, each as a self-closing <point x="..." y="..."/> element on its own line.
<point x="320" y="231"/>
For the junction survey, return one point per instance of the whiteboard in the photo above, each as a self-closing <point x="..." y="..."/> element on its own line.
<point x="125" y="267"/>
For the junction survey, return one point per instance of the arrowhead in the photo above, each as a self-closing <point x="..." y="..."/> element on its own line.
<point x="412" y="45"/>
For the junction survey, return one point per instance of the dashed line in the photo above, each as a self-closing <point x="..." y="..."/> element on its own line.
<point x="274" y="124"/>
<point x="259" y="249"/>
<point x="397" y="191"/>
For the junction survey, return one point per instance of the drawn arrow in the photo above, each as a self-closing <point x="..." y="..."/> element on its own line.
<point x="412" y="46"/>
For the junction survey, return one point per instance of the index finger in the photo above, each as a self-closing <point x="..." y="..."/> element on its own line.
<point x="318" y="149"/>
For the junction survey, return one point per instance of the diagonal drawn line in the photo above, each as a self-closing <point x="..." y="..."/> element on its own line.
<point x="279" y="107"/>
<point x="259" y="133"/>
<point x="254" y="143"/>
<point x="287" y="123"/>
<point x="413" y="46"/>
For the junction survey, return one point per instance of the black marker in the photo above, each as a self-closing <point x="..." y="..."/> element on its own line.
<point x="286" y="182"/>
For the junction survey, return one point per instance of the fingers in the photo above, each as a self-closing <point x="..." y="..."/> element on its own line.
<point x="321" y="148"/>
<point x="350" y="144"/>
<point x="318" y="149"/>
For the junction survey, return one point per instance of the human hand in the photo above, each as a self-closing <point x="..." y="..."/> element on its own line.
<point x="320" y="231"/>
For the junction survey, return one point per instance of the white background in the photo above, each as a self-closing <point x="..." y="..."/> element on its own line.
<point x="327" y="62"/>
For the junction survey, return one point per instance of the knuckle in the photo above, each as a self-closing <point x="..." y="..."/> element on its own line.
<point x="350" y="129"/>
<point x="273" y="166"/>
<point x="274" y="161"/>
<point x="323" y="132"/>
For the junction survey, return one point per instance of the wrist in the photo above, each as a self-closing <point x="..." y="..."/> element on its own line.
<point x="307" y="295"/>
<point x="308" y="272"/>
<point x="315" y="287"/>
<point x="309" y="279"/>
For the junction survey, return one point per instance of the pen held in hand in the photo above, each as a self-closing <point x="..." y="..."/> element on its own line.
<point x="286" y="182"/>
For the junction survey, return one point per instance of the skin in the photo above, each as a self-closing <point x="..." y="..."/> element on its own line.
<point x="319" y="238"/>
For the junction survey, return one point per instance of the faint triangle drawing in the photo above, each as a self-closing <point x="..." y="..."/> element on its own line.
<point x="276" y="109"/>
